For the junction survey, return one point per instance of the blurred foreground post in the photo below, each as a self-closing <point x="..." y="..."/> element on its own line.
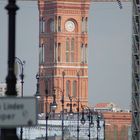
<point x="10" y="133"/>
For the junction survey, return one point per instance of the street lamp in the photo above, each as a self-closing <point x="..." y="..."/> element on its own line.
<point x="21" y="64"/>
<point x="99" y="117"/>
<point x="46" y="91"/>
<point x="37" y="86"/>
<point x="53" y="107"/>
<point x="62" y="101"/>
<point x="70" y="105"/>
<point x="54" y="104"/>
<point x="71" y="98"/>
<point x="63" y="75"/>
<point x="90" y="119"/>
<point x="78" y="75"/>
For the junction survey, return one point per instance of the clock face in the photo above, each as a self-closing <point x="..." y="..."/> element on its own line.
<point x="70" y="26"/>
<point x="52" y="25"/>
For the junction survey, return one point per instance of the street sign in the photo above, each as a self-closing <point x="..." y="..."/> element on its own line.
<point x="17" y="111"/>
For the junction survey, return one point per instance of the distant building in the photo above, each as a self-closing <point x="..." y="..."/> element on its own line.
<point x="3" y="89"/>
<point x="117" y="121"/>
<point x="107" y="107"/>
<point x="117" y="125"/>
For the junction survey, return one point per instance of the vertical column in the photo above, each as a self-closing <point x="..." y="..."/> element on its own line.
<point x="10" y="134"/>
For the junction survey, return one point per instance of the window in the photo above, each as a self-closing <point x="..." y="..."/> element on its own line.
<point x="67" y="88"/>
<point x="82" y="24"/>
<point x="86" y="25"/>
<point x="41" y="53"/>
<point x="52" y="25"/>
<point x="59" y="52"/>
<point x="72" y="50"/>
<point x="42" y="24"/>
<point x="55" y="51"/>
<point x="67" y="50"/>
<point x="74" y="88"/>
<point x="70" y="45"/>
<point x="46" y="87"/>
<point x="82" y="52"/>
<point x="55" y="23"/>
<point x="86" y="54"/>
<point x="59" y="24"/>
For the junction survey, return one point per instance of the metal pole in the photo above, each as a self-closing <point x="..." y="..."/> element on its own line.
<point x="63" y="74"/>
<point x="8" y="134"/>
<point x="104" y="128"/>
<point x="46" y="114"/>
<point x="46" y="120"/>
<point x="98" y="126"/>
<point x="21" y="63"/>
<point x="89" y="124"/>
<point x="78" y="110"/>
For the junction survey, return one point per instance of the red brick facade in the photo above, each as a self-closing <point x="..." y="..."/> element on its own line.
<point x="117" y="125"/>
<point x="63" y="48"/>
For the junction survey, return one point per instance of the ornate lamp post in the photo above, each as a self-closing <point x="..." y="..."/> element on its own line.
<point x="47" y="115"/>
<point x="90" y="119"/>
<point x="37" y="86"/>
<point x="70" y="105"/>
<point x="78" y="75"/>
<point x="63" y="74"/>
<point x="62" y="101"/>
<point x="21" y="63"/>
<point x="53" y="107"/>
<point x="71" y="98"/>
<point x="98" y="124"/>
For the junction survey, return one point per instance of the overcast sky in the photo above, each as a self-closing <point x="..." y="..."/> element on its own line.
<point x="109" y="50"/>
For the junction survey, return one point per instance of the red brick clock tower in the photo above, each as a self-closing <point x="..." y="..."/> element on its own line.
<point x="63" y="51"/>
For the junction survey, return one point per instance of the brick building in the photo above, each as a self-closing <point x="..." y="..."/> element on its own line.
<point x="63" y="50"/>
<point x="117" y="125"/>
<point x="117" y="121"/>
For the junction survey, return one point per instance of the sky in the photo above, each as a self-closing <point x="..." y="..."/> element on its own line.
<point x="109" y="50"/>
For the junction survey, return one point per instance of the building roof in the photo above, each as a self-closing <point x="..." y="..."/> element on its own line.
<point x="105" y="105"/>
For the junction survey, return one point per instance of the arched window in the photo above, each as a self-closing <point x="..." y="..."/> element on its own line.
<point x="55" y="24"/>
<point x="86" y="24"/>
<point x="72" y="50"/>
<point x="55" y="51"/>
<point x="52" y="25"/>
<point x="42" y="24"/>
<point x="67" y="88"/>
<point x="46" y="87"/>
<point x="82" y="52"/>
<point x="86" y="54"/>
<point x="41" y="53"/>
<point x="59" y="24"/>
<point x="74" y="88"/>
<point x="67" y="50"/>
<point x="59" y="52"/>
<point x="82" y="24"/>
